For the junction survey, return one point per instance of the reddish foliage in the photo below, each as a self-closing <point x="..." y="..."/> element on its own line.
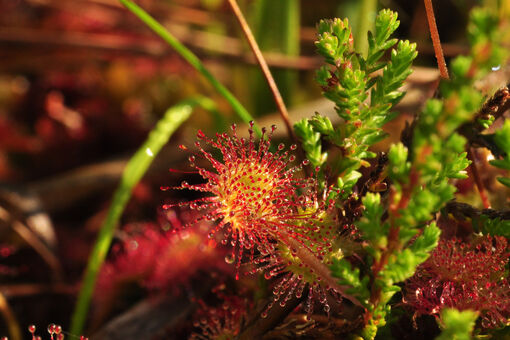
<point x="157" y="260"/>
<point x="464" y="276"/>
<point x="223" y="322"/>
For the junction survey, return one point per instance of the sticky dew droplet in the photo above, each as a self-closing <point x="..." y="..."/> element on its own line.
<point x="230" y="259"/>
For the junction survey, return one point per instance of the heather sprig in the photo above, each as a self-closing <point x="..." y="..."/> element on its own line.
<point x="349" y="81"/>
<point x="463" y="111"/>
<point x="440" y="137"/>
<point x="488" y="37"/>
<point x="460" y="111"/>
<point x="400" y="230"/>
<point x="399" y="233"/>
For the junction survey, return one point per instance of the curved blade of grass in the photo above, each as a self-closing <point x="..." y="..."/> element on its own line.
<point x="131" y="175"/>
<point x="10" y="319"/>
<point x="191" y="58"/>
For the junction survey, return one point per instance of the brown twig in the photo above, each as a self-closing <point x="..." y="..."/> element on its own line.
<point x="461" y="210"/>
<point x="265" y="69"/>
<point x="434" y="34"/>
<point x="19" y="290"/>
<point x="495" y="106"/>
<point x="31" y="239"/>
<point x="10" y="319"/>
<point x="477" y="179"/>
<point x="137" y="44"/>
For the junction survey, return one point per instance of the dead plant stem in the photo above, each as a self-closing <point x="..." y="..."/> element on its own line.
<point x="265" y="69"/>
<point x="477" y="179"/>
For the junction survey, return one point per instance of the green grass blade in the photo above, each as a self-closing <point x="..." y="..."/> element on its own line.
<point x="191" y="58"/>
<point x="135" y="169"/>
<point x="276" y="29"/>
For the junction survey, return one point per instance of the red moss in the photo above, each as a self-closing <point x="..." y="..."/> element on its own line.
<point x="464" y="276"/>
<point x="223" y="322"/>
<point x="157" y="260"/>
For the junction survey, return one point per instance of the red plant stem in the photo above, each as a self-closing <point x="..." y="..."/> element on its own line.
<point x="477" y="179"/>
<point x="265" y="69"/>
<point x="393" y="239"/>
<point x="316" y="265"/>
<point x="434" y="34"/>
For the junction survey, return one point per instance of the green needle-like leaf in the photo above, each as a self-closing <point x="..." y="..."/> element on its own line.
<point x="191" y="58"/>
<point x="135" y="169"/>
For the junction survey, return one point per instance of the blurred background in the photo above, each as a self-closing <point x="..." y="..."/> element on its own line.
<point x="82" y="82"/>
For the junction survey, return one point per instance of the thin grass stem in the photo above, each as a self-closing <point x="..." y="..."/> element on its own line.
<point x="134" y="171"/>
<point x="192" y="59"/>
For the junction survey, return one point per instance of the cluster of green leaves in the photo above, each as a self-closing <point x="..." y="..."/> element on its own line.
<point x="488" y="53"/>
<point x="441" y="119"/>
<point x="348" y="81"/>
<point x="420" y="184"/>
<point x="438" y="142"/>
<point x="487" y="39"/>
<point x="457" y="325"/>
<point x="399" y="233"/>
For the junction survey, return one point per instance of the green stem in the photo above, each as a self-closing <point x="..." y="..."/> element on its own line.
<point x="135" y="169"/>
<point x="191" y="58"/>
<point x="367" y="13"/>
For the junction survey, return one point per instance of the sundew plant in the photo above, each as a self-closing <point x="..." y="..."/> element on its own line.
<point x="339" y="237"/>
<point x="330" y="236"/>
